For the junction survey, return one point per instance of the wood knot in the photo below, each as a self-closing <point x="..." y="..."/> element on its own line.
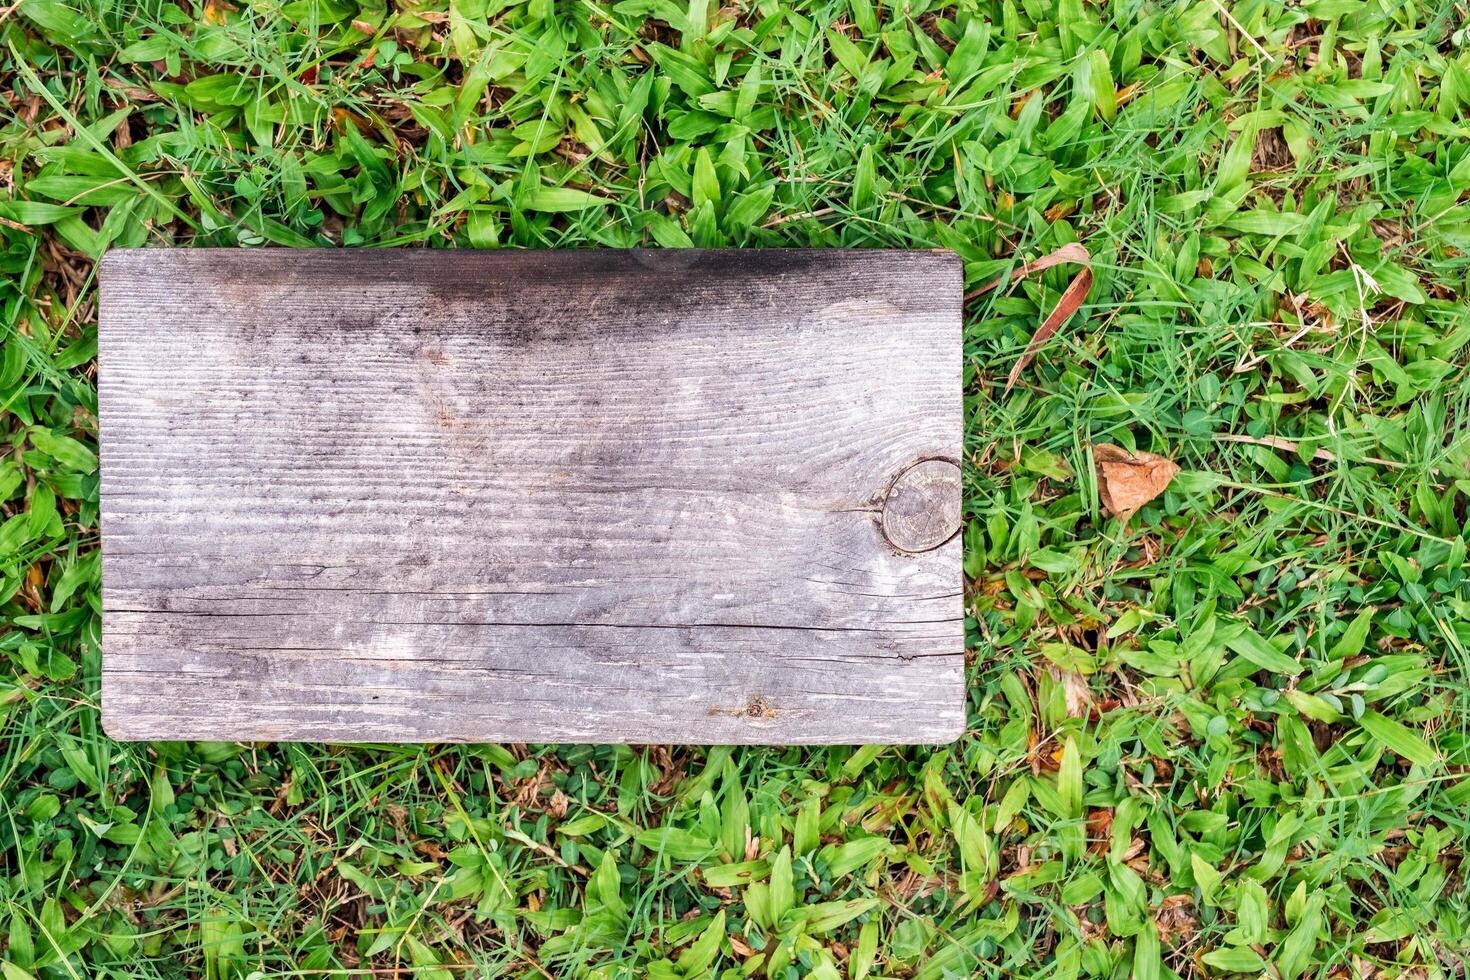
<point x="759" y="707"/>
<point x="921" y="509"/>
<point x="756" y="707"/>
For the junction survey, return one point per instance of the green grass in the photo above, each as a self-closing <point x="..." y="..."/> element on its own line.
<point x="1228" y="736"/>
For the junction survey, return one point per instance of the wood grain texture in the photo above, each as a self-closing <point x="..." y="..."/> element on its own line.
<point x="612" y="496"/>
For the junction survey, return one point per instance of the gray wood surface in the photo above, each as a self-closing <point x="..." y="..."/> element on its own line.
<point x="610" y="496"/>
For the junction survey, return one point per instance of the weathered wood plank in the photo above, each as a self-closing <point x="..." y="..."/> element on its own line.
<point x="531" y="496"/>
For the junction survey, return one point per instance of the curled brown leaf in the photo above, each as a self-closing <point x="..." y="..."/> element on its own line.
<point x="1126" y="481"/>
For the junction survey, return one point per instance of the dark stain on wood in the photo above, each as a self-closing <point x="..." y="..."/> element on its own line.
<point x="692" y="496"/>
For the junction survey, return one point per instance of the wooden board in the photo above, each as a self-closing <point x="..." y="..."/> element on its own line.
<point x="603" y="496"/>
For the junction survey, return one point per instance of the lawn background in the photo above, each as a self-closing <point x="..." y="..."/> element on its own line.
<point x="1226" y="736"/>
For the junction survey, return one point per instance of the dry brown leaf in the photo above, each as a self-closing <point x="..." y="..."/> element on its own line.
<point x="1099" y="830"/>
<point x="1126" y="481"/>
<point x="1071" y="300"/>
<point x="1075" y="691"/>
<point x="1072" y="252"/>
